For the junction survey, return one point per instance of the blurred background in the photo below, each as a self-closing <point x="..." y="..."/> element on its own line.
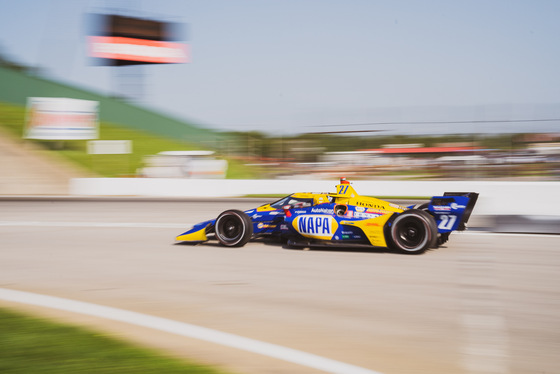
<point x="397" y="91"/>
<point x="314" y="89"/>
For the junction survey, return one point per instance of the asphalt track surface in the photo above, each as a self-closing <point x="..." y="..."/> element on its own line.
<point x="484" y="303"/>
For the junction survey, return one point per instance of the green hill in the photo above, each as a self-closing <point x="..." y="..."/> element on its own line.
<point x="17" y="86"/>
<point x="151" y="132"/>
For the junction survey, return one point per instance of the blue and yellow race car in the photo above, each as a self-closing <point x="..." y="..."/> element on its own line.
<point x="342" y="219"/>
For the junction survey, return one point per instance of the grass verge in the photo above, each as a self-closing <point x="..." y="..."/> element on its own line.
<point x="32" y="345"/>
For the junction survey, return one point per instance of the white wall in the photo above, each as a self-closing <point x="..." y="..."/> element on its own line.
<point x="525" y="198"/>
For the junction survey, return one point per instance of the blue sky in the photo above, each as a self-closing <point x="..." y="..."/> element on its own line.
<point x="312" y="65"/>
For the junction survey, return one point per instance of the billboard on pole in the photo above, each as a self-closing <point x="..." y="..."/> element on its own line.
<point x="56" y="118"/>
<point x="121" y="40"/>
<point x="139" y="50"/>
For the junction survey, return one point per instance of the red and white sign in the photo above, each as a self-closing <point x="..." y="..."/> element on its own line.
<point x="142" y="50"/>
<point x="56" y="118"/>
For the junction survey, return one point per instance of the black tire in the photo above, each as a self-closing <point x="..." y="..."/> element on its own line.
<point x="441" y="238"/>
<point x="233" y="228"/>
<point x="413" y="232"/>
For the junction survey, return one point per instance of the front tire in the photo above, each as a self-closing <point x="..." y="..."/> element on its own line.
<point x="233" y="228"/>
<point x="413" y="232"/>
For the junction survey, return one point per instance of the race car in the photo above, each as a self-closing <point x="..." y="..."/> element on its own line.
<point x="341" y="219"/>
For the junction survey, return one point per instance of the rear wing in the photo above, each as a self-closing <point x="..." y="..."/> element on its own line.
<point x="448" y="199"/>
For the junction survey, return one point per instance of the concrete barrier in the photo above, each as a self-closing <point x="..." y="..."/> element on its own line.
<point x="496" y="198"/>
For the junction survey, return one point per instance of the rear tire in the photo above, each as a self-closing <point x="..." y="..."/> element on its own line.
<point x="441" y="238"/>
<point x="233" y="228"/>
<point x="413" y="232"/>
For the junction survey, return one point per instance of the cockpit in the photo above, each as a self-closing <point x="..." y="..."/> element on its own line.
<point x="292" y="202"/>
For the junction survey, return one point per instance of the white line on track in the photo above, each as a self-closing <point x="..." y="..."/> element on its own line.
<point x="94" y="224"/>
<point x="487" y="233"/>
<point x="184" y="329"/>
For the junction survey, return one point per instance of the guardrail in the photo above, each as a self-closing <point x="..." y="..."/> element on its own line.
<point x="496" y="198"/>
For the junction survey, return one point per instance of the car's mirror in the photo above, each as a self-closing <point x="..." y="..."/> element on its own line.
<point x="286" y="209"/>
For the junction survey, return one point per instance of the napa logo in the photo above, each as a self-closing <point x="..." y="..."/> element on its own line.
<point x="316" y="226"/>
